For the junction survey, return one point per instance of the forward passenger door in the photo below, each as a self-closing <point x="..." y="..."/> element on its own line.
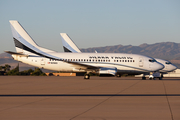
<point x="141" y="62"/>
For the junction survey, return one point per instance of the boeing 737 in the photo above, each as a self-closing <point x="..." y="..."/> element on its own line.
<point x="69" y="46"/>
<point x="27" y="51"/>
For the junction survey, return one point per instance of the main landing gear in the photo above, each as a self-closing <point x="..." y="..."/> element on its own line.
<point x="143" y="77"/>
<point x="118" y="75"/>
<point x="86" y="76"/>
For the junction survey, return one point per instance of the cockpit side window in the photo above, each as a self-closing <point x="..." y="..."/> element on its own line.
<point x="168" y="63"/>
<point x="152" y="60"/>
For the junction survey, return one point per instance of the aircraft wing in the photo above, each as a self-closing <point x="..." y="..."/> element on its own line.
<point x="84" y="66"/>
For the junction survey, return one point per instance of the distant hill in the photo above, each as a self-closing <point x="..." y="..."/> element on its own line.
<point x="5" y="55"/>
<point x="164" y="50"/>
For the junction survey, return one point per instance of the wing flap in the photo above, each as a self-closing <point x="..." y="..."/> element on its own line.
<point x="83" y="66"/>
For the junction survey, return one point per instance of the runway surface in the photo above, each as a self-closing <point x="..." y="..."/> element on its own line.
<point x="100" y="98"/>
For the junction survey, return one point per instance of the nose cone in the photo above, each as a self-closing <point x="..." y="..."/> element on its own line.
<point x="158" y="66"/>
<point x="172" y="67"/>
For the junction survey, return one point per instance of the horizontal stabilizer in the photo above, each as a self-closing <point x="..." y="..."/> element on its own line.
<point x="15" y="53"/>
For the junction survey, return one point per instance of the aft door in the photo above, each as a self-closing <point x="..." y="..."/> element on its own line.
<point x="141" y="62"/>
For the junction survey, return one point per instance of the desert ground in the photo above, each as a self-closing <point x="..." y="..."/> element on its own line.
<point x="99" y="98"/>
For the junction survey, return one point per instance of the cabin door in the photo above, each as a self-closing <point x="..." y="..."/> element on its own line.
<point x="141" y="62"/>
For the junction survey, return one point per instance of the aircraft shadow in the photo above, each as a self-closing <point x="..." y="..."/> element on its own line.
<point x="82" y="95"/>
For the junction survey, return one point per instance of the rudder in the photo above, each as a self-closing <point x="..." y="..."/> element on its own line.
<point x="20" y="36"/>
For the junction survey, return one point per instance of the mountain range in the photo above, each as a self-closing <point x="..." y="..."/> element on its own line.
<point x="164" y="50"/>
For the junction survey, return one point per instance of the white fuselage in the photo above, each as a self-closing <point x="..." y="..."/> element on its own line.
<point x="123" y="62"/>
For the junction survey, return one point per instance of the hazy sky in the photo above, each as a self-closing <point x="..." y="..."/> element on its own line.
<point x="91" y="23"/>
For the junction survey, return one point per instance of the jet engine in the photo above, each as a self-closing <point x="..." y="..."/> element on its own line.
<point x="107" y="71"/>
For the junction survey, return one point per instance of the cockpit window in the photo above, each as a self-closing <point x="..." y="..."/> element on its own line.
<point x="152" y="60"/>
<point x="168" y="63"/>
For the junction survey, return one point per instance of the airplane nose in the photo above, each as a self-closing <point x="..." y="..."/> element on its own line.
<point x="159" y="66"/>
<point x="173" y="67"/>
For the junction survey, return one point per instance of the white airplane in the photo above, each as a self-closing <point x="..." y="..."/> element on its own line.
<point x="69" y="46"/>
<point x="27" y="51"/>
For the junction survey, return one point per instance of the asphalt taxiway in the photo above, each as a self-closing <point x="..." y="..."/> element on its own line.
<point x="100" y="98"/>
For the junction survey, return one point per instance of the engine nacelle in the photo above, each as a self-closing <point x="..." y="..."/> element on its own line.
<point x="108" y="71"/>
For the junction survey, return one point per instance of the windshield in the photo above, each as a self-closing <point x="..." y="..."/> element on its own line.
<point x="152" y="60"/>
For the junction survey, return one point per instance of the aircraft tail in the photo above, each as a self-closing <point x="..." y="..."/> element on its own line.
<point x="20" y="36"/>
<point x="22" y="40"/>
<point x="68" y="44"/>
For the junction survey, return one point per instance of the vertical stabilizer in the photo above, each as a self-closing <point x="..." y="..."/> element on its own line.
<point x="22" y="40"/>
<point x="20" y="35"/>
<point x="68" y="44"/>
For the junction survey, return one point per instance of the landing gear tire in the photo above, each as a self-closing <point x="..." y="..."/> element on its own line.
<point x="86" y="76"/>
<point x="118" y="75"/>
<point x="162" y="76"/>
<point x="143" y="78"/>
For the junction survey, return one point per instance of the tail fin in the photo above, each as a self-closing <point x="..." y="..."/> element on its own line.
<point x="68" y="44"/>
<point x="20" y="35"/>
<point x="23" y="42"/>
<point x="25" y="45"/>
